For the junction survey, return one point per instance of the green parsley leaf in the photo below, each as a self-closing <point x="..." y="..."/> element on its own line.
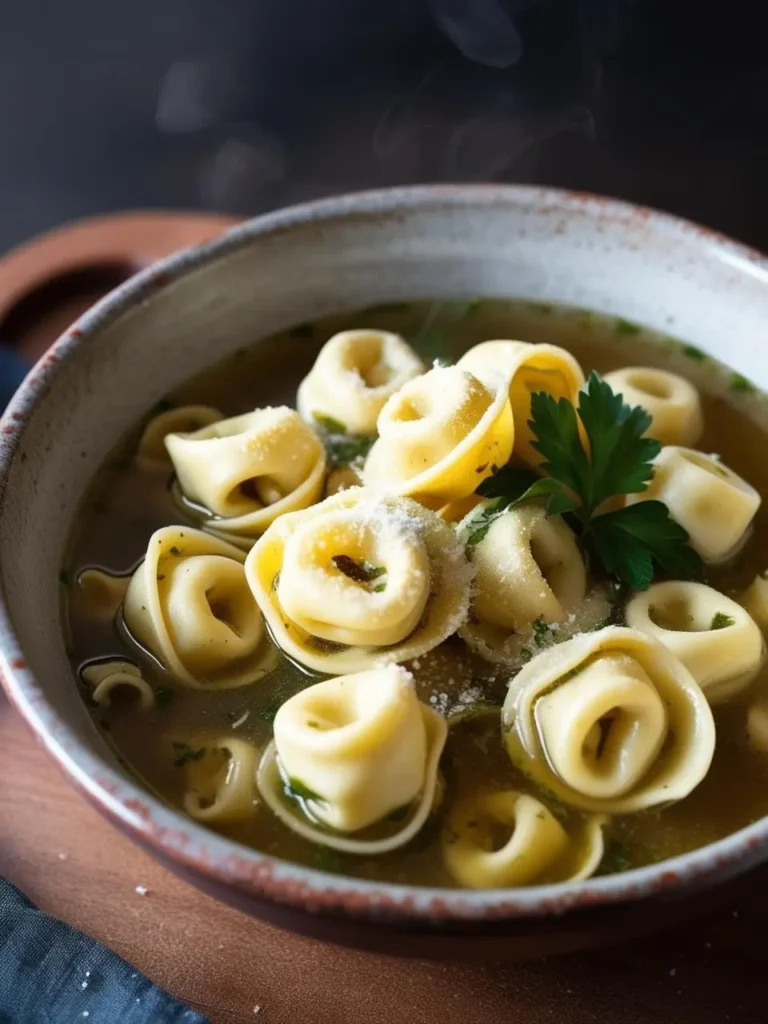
<point x="627" y="327"/>
<point x="721" y="621"/>
<point x="557" y="440"/>
<point x="629" y="541"/>
<point x="740" y="383"/>
<point x="620" y="455"/>
<point x="694" y="353"/>
<point x="185" y="754"/>
<point x="616" y="460"/>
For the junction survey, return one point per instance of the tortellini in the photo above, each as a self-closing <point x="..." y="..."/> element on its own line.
<point x="609" y="721"/>
<point x="189" y="605"/>
<point x="151" y="453"/>
<point x="358" y="581"/>
<point x="755" y="600"/>
<point x="354" y="375"/>
<point x="671" y="401"/>
<point x="528" y="368"/>
<point x="716" y="640"/>
<point x="107" y="676"/>
<point x="247" y="471"/>
<point x="529" y="570"/>
<point x="712" y="503"/>
<point x="537" y="849"/>
<point x="221" y="780"/>
<point x="353" y="752"/>
<point x="441" y="435"/>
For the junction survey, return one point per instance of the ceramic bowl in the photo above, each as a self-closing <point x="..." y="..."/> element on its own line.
<point x="281" y="269"/>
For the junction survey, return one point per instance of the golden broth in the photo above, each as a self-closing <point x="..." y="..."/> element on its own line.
<point x="125" y="505"/>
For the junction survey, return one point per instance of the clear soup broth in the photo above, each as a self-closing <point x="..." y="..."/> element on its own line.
<point x="161" y="743"/>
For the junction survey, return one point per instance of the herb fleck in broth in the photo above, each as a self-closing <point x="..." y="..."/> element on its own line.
<point x="125" y="505"/>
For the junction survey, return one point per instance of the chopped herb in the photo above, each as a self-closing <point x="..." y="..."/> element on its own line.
<point x="269" y="712"/>
<point x="484" y="520"/>
<point x="313" y="725"/>
<point x="329" y="423"/>
<point x="360" y="572"/>
<point x="617" y="858"/>
<point x="740" y="383"/>
<point x="544" y="487"/>
<point x="542" y="634"/>
<point x="694" y="353"/>
<point x="379" y="588"/>
<point x="618" y="460"/>
<point x="163" y="697"/>
<point x="300" y="791"/>
<point x="186" y="754"/>
<point x="627" y="327"/>
<point x="434" y="346"/>
<point x="470" y="306"/>
<point x="275" y="581"/>
<point x="174" y="551"/>
<point x="721" y="621"/>
<point x="525" y="656"/>
<point x="302" y="331"/>
<point x="345" y="449"/>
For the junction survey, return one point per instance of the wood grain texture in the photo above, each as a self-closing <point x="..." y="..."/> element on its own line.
<point x="58" y="850"/>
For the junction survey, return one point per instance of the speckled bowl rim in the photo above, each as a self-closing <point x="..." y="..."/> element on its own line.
<point x="223" y="861"/>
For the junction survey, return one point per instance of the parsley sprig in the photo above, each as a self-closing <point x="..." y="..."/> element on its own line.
<point x="616" y="460"/>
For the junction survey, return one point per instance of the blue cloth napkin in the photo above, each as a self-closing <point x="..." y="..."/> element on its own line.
<point x="52" y="974"/>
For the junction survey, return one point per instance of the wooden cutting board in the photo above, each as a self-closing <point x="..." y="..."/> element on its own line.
<point x="57" y="849"/>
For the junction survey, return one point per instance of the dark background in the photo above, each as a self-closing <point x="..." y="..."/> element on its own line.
<point x="242" y="105"/>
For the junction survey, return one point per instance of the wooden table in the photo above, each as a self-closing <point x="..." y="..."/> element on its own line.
<point x="57" y="849"/>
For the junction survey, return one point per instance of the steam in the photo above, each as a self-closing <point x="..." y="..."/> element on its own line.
<point x="480" y="29"/>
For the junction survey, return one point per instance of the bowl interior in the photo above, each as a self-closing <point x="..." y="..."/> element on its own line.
<point x="175" y="319"/>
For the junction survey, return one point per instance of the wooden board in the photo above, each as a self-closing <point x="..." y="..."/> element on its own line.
<point x="58" y="850"/>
